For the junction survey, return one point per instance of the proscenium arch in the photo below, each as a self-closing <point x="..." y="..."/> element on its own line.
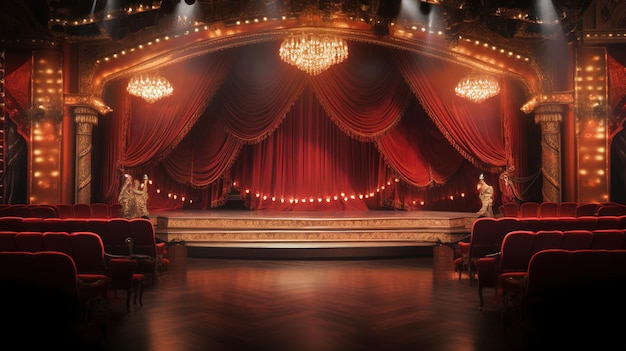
<point x="201" y="40"/>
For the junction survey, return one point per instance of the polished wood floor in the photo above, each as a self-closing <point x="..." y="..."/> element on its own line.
<point x="308" y="305"/>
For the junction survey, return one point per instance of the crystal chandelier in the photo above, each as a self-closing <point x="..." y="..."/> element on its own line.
<point x="478" y="87"/>
<point x="150" y="87"/>
<point x="313" y="53"/>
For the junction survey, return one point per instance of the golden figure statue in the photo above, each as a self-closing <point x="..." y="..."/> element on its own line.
<point x="485" y="193"/>
<point x="133" y="197"/>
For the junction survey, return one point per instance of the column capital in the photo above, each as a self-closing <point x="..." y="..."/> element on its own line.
<point x="85" y="115"/>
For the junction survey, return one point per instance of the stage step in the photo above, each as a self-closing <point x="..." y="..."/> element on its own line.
<point x="258" y="234"/>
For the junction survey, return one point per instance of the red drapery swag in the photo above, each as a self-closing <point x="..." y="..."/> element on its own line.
<point x="383" y="128"/>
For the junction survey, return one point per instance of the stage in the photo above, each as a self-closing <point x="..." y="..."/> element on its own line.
<point x="310" y="234"/>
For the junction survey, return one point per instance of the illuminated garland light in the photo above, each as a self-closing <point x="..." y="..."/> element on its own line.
<point x="313" y="53"/>
<point x="149" y="87"/>
<point x="477" y="88"/>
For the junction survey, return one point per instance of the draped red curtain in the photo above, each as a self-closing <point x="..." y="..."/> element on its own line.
<point x="382" y="129"/>
<point x="475" y="130"/>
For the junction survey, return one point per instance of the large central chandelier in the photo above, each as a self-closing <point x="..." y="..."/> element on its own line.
<point x="478" y="87"/>
<point x="150" y="87"/>
<point x="312" y="52"/>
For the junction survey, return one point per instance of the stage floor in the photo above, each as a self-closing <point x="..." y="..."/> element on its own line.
<point x="282" y="231"/>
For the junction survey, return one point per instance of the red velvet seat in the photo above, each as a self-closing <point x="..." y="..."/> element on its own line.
<point x="82" y="210"/>
<point x="7" y="241"/>
<point x="100" y="210"/>
<point x="587" y="209"/>
<point x="608" y="222"/>
<point x="548" y="209"/>
<point x="11" y="223"/>
<point x="567" y="209"/>
<point x="43" y="308"/>
<point x="509" y="209"/>
<point x="43" y="211"/>
<point x="65" y="211"/>
<point x="577" y="240"/>
<point x="30" y="241"/>
<point x="608" y="239"/>
<point x="89" y="257"/>
<point x="529" y="209"/>
<point x="116" y="210"/>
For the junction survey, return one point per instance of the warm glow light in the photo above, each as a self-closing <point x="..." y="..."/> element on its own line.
<point x="313" y="53"/>
<point x="477" y="88"/>
<point x="149" y="87"/>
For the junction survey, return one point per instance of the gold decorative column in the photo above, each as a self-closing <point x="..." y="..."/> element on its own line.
<point x="550" y="110"/>
<point x="85" y="118"/>
<point x="549" y="117"/>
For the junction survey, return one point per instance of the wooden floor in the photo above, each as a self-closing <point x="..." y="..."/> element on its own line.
<point x="309" y="305"/>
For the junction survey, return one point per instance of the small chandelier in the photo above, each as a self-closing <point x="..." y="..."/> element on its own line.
<point x="313" y="53"/>
<point x="150" y="87"/>
<point x="477" y="87"/>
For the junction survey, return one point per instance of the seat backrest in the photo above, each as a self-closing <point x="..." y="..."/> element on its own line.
<point x="611" y="210"/>
<point x="608" y="239"/>
<point x="142" y="231"/>
<point x="546" y="239"/>
<point x="509" y="209"/>
<point x="88" y="252"/>
<point x="65" y="211"/>
<point x="576" y="239"/>
<point x="548" y="209"/>
<point x="100" y="210"/>
<point x="547" y="269"/>
<point x="7" y="240"/>
<point x="43" y="211"/>
<point x="30" y="241"/>
<point x="587" y="209"/>
<point x="58" y="241"/>
<point x="529" y="209"/>
<point x="608" y="222"/>
<point x="11" y="223"/>
<point x="18" y="210"/>
<point x="82" y="210"/>
<point x="567" y="209"/>
<point x="483" y="239"/>
<point x="41" y="286"/>
<point x="119" y="230"/>
<point x="515" y="250"/>
<point x="116" y="210"/>
<point x="586" y="222"/>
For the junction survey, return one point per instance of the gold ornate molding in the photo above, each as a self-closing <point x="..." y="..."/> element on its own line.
<point x="88" y="101"/>
<point x="546" y="99"/>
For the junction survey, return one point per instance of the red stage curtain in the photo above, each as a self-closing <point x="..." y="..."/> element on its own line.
<point x="137" y="135"/>
<point x="365" y="96"/>
<point x="307" y="160"/>
<point x="17" y="88"/>
<point x="381" y="145"/>
<point x="258" y="94"/>
<point x="475" y="130"/>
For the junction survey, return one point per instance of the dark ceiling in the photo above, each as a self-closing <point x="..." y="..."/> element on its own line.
<point x="111" y="19"/>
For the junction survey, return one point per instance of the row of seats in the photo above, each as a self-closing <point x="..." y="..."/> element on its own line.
<point x="95" y="210"/>
<point x="43" y="306"/>
<point x="487" y="233"/>
<point x="96" y="271"/>
<point x="561" y="209"/>
<point x="570" y="299"/>
<point x="120" y="236"/>
<point x="511" y="261"/>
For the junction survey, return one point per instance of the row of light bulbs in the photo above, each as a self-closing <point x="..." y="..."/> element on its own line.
<point x="326" y="199"/>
